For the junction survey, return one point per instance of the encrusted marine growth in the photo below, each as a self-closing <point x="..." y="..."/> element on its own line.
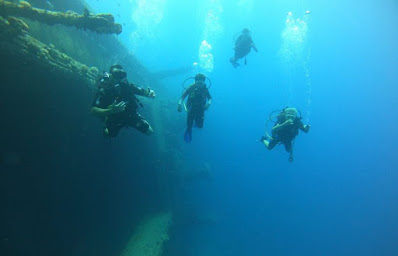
<point x="100" y="23"/>
<point x="15" y="41"/>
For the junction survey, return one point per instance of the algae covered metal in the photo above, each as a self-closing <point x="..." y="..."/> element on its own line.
<point x="14" y="39"/>
<point x="100" y="23"/>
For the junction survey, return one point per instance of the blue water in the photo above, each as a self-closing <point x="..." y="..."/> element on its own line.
<point x="339" y="196"/>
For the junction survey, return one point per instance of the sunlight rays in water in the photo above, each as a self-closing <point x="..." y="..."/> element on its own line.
<point x="146" y="14"/>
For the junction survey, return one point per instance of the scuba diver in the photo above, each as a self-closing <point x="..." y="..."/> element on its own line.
<point x="116" y="103"/>
<point x="285" y="130"/>
<point x="243" y="45"/>
<point x="199" y="100"/>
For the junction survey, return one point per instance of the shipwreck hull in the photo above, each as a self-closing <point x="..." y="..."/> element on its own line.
<point x="67" y="190"/>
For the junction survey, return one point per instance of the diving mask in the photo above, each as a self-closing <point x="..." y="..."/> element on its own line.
<point x="200" y="82"/>
<point x="290" y="117"/>
<point x="119" y="73"/>
<point x="290" y="113"/>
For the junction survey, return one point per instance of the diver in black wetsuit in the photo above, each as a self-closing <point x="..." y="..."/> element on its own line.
<point x="243" y="45"/>
<point x="199" y="100"/>
<point x="116" y="103"/>
<point x="285" y="130"/>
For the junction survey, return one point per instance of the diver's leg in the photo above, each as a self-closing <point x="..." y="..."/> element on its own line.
<point x="289" y="148"/>
<point x="139" y="123"/>
<point x="112" y="127"/>
<point x="190" y="118"/>
<point x="237" y="56"/>
<point x="199" y="118"/>
<point x="234" y="63"/>
<point x="188" y="131"/>
<point x="241" y="52"/>
<point x="270" y="144"/>
<point x="234" y="60"/>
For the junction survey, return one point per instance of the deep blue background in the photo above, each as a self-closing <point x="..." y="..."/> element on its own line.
<point x="339" y="196"/>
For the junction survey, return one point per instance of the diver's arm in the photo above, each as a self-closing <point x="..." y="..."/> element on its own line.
<point x="305" y="128"/>
<point x="179" y="107"/>
<point x="111" y="109"/>
<point x="254" y="47"/>
<point x="252" y="44"/>
<point x="208" y="100"/>
<point x="143" y="92"/>
<point x="100" y="112"/>
<point x="208" y="95"/>
<point x="278" y="127"/>
<point x="208" y="104"/>
<point x="183" y="96"/>
<point x="181" y="100"/>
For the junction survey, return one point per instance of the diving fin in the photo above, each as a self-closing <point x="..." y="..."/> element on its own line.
<point x="188" y="136"/>
<point x="234" y="63"/>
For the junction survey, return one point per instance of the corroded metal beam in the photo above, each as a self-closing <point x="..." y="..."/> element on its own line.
<point x="16" y="43"/>
<point x="100" y="23"/>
